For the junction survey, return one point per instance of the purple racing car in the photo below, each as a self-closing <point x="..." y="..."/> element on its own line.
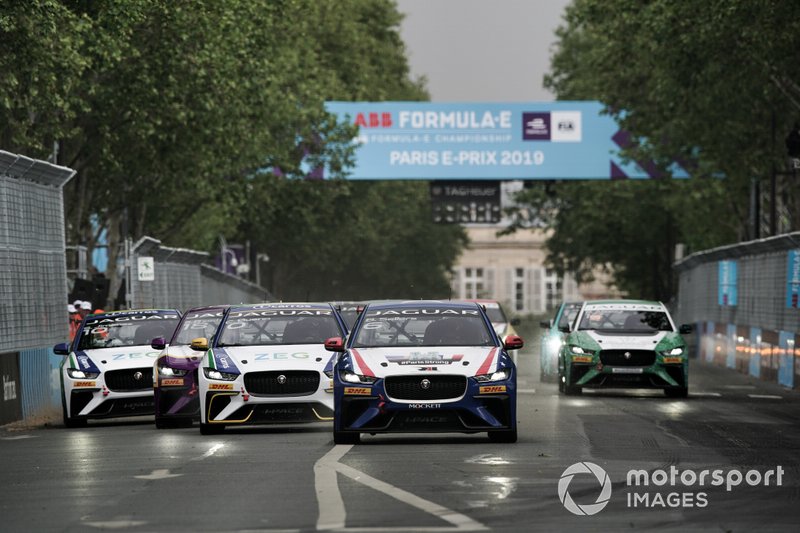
<point x="175" y="370"/>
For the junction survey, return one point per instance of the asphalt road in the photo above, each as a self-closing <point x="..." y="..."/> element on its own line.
<point x="128" y="476"/>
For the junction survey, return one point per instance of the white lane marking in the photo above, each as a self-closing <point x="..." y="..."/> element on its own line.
<point x="740" y="386"/>
<point x="18" y="437"/>
<point x="704" y="394"/>
<point x="766" y="396"/>
<point x="158" y="474"/>
<point x="526" y="391"/>
<point x="116" y="524"/>
<point x="329" y="499"/>
<point x="332" y="513"/>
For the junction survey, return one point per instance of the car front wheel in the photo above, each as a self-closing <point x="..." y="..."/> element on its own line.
<point x="341" y="437"/>
<point x="509" y="435"/>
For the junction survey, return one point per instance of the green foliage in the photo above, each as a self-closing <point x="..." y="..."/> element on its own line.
<point x="696" y="82"/>
<point x="172" y="112"/>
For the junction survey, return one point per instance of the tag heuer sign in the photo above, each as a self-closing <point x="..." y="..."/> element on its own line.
<point x="146" y="269"/>
<point x="461" y="202"/>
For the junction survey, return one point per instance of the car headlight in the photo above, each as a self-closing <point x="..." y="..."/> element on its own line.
<point x="500" y="375"/>
<point x="74" y="373"/>
<point x="349" y="377"/>
<point x="328" y="373"/>
<point x="673" y="352"/>
<point x="221" y="376"/>
<point x="580" y="351"/>
<point x="168" y="372"/>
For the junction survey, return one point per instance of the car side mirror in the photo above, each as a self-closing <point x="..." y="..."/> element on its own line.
<point x="61" y="349"/>
<point x="158" y="343"/>
<point x="199" y="344"/>
<point x="685" y="329"/>
<point x="564" y="329"/>
<point x="516" y="321"/>
<point x="513" y="342"/>
<point x="334" y="344"/>
<point x="546" y="324"/>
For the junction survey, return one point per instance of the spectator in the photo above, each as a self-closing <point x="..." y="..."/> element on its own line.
<point x="74" y="320"/>
<point x="86" y="309"/>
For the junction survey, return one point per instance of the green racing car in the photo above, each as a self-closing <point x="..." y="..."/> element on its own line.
<point x="624" y="343"/>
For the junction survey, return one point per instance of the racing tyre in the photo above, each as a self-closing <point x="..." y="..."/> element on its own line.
<point x="677" y="392"/>
<point x="509" y="435"/>
<point x="340" y="437"/>
<point x="165" y="423"/>
<point x="70" y="422"/>
<point x="572" y="390"/>
<point x="211" y="429"/>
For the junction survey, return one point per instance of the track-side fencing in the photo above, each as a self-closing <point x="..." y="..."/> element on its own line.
<point x="33" y="283"/>
<point x="744" y="300"/>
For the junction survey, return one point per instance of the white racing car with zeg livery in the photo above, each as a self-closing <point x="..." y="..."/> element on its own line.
<point x="107" y="370"/>
<point x="267" y="365"/>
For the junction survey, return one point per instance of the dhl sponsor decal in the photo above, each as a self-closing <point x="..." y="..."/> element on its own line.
<point x="492" y="389"/>
<point x="581" y="358"/>
<point x="670" y="360"/>
<point x="362" y="391"/>
<point x="220" y="386"/>
<point x="172" y="382"/>
<point x="85" y="384"/>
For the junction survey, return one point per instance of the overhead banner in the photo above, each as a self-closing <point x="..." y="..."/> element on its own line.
<point x="488" y="141"/>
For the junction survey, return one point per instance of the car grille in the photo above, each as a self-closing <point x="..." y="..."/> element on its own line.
<point x="440" y="388"/>
<point x="298" y="383"/>
<point x="635" y="358"/>
<point x="125" y="380"/>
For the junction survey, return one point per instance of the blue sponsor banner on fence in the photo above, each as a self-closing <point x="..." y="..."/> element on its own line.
<point x="793" y="280"/>
<point x="727" y="293"/>
<point x="489" y="141"/>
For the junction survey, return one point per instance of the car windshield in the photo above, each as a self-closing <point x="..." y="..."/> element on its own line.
<point x="349" y="314"/>
<point x="197" y="324"/>
<point x="284" y="326"/>
<point x="496" y="315"/>
<point x="423" y="327"/>
<point x="568" y="315"/>
<point x="625" y="321"/>
<point x="111" y="331"/>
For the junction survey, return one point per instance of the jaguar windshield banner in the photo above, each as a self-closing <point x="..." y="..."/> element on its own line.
<point x="488" y="141"/>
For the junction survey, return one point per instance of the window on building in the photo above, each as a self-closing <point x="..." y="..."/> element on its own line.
<point x="474" y="283"/>
<point x="552" y="290"/>
<point x="519" y="289"/>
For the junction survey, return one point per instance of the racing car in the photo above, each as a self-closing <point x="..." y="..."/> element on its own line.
<point x="555" y="330"/>
<point x="424" y="366"/>
<point x="500" y="322"/>
<point x="267" y="365"/>
<point x="107" y="371"/>
<point x="625" y="343"/>
<point x="175" y="371"/>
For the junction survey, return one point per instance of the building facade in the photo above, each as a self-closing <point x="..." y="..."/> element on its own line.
<point x="511" y="269"/>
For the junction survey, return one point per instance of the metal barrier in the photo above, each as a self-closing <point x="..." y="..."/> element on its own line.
<point x="33" y="285"/>
<point x="745" y="302"/>
<point x="178" y="278"/>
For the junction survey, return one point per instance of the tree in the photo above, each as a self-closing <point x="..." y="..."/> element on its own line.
<point x="693" y="82"/>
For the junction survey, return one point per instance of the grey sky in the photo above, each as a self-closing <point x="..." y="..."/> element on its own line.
<point x="481" y="50"/>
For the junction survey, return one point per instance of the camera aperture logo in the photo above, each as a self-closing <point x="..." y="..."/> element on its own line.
<point x="660" y="489"/>
<point x="587" y="509"/>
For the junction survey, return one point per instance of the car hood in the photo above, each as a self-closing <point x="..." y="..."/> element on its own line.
<point x="181" y="356"/>
<point x="461" y="360"/>
<point x="240" y="359"/>
<point x="104" y="359"/>
<point x="619" y="342"/>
